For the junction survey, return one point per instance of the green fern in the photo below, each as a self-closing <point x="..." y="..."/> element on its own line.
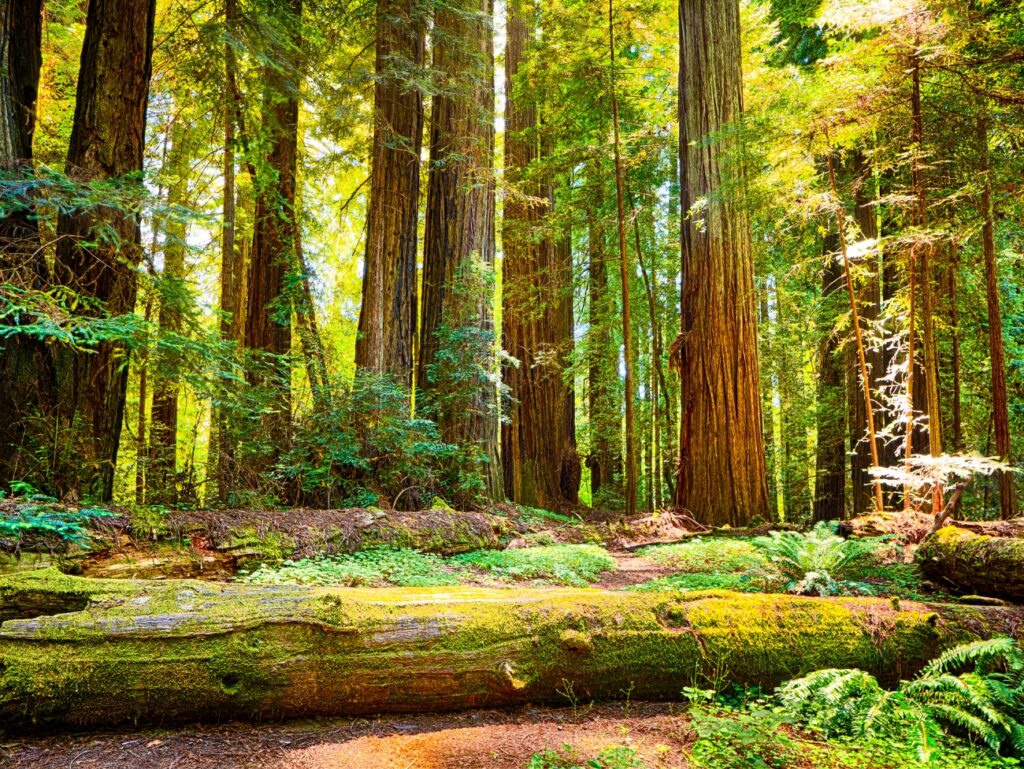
<point x="816" y="562"/>
<point x="972" y="691"/>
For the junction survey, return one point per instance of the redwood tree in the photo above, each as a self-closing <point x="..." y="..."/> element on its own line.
<point x="387" y="317"/>
<point x="997" y="360"/>
<point x="459" y="236"/>
<point x="275" y="239"/>
<point x="98" y="250"/>
<point x="161" y="475"/>
<point x="721" y="449"/>
<point x="27" y="385"/>
<point x="538" y="442"/>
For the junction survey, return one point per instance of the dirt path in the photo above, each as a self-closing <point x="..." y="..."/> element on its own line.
<point x="485" y="739"/>
<point x="632" y="570"/>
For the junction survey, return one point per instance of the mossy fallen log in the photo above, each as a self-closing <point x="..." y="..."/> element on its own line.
<point x="971" y="562"/>
<point x="180" y="650"/>
<point x="303" y="532"/>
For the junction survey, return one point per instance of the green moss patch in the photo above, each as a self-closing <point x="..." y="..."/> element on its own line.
<point x="713" y="554"/>
<point x="378" y="567"/>
<point x="561" y="564"/>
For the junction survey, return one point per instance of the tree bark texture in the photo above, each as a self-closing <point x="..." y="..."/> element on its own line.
<point x="537" y="441"/>
<point x="387" y="317"/>
<point x="997" y="359"/>
<point x="107" y="143"/>
<point x="722" y="463"/>
<point x="459" y="235"/>
<point x="869" y="301"/>
<point x="126" y="651"/>
<point x="28" y="388"/>
<point x="830" y="458"/>
<point x="275" y="239"/>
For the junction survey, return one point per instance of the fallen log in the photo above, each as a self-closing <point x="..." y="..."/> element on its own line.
<point x="304" y="532"/>
<point x="971" y="562"/>
<point x="183" y="650"/>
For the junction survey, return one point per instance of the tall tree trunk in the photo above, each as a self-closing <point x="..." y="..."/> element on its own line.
<point x="659" y="387"/>
<point x="161" y="475"/>
<point x="107" y="142"/>
<point x="605" y="460"/>
<point x="537" y="441"/>
<point x="27" y="388"/>
<point x="927" y="392"/>
<point x="1000" y="414"/>
<point x="275" y="239"/>
<point x="869" y="301"/>
<point x="830" y="459"/>
<point x="631" y="466"/>
<point x="459" y="236"/>
<point x="722" y="463"/>
<point x="954" y="330"/>
<point x="221" y="434"/>
<point x="313" y="353"/>
<point x="387" y="317"/>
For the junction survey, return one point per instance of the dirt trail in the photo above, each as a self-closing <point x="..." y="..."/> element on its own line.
<point x="632" y="570"/>
<point x="484" y="739"/>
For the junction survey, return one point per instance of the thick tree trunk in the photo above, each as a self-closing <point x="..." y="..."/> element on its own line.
<point x="175" y="650"/>
<point x="537" y="441"/>
<point x="387" y="317"/>
<point x="107" y="142"/>
<point x="275" y="239"/>
<point x="459" y="237"/>
<point x="722" y="463"/>
<point x="830" y="459"/>
<point x="27" y="388"/>
<point x="997" y="360"/>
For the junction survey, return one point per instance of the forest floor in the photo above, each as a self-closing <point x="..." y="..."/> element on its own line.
<point x="480" y="739"/>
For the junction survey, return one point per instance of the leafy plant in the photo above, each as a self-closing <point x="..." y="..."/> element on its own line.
<point x="816" y="562"/>
<point x="576" y="565"/>
<point x="364" y="448"/>
<point x="617" y="757"/>
<point x="984" y="704"/>
<point x="378" y="566"/>
<point x="47" y="526"/>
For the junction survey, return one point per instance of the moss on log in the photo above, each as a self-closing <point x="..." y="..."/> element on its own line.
<point x="972" y="562"/>
<point x="177" y="650"/>
<point x="305" y="532"/>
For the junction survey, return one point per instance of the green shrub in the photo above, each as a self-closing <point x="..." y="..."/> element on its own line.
<point x="363" y="450"/>
<point x="714" y="554"/>
<point x="563" y="564"/>
<point x="378" y="566"/>
<point x="818" y="562"/>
